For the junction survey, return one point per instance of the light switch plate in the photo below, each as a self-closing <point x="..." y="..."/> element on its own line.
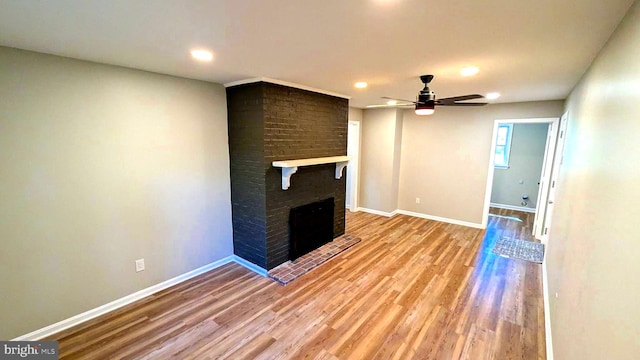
<point x="139" y="265"/>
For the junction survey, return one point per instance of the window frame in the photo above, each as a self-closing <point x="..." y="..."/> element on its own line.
<point x="507" y="146"/>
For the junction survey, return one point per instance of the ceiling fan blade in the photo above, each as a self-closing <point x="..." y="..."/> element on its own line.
<point x="388" y="106"/>
<point x="461" y="104"/>
<point x="459" y="98"/>
<point x="378" y="106"/>
<point x="403" y="100"/>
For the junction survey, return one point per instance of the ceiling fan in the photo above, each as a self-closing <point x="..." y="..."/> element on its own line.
<point x="426" y="100"/>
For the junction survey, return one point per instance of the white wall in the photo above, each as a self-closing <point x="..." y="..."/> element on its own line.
<point x="594" y="244"/>
<point x="100" y="166"/>
<point x="525" y="166"/>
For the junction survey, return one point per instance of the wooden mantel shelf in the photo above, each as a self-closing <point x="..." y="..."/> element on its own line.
<point x="289" y="167"/>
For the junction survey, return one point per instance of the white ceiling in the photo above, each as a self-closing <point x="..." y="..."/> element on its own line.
<point x="526" y="50"/>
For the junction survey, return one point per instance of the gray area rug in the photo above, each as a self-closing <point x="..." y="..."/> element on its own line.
<point x="519" y="249"/>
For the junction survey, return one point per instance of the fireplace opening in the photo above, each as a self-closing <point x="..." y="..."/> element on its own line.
<point x="310" y="226"/>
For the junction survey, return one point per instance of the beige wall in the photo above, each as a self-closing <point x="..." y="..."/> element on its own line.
<point x="397" y="157"/>
<point x="593" y="254"/>
<point x="100" y="166"/>
<point x="378" y="157"/>
<point x="355" y="114"/>
<point x="525" y="165"/>
<point x="445" y="156"/>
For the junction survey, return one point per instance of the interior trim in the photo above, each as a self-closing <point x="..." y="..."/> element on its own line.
<point x="442" y="219"/>
<point x="422" y="216"/>
<point x="547" y="314"/>
<point x="377" y="212"/>
<point x="284" y="83"/>
<point x="251" y="266"/>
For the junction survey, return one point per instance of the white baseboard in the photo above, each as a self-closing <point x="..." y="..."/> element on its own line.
<point x="377" y="212"/>
<point x="249" y="265"/>
<point x="441" y="219"/>
<point x="511" y="207"/>
<point x="423" y="216"/>
<point x="547" y="312"/>
<point x="116" y="304"/>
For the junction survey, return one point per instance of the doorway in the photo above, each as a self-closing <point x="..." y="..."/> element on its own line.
<point x="499" y="161"/>
<point x="353" y="151"/>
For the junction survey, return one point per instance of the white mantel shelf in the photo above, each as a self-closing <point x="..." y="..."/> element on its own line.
<point x="289" y="167"/>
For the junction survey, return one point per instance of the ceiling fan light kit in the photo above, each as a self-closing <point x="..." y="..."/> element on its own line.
<point x="426" y="102"/>
<point x="421" y="110"/>
<point x="426" y="98"/>
<point x="427" y="107"/>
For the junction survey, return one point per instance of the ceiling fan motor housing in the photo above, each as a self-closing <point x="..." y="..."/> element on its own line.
<point x="426" y="96"/>
<point x="426" y="79"/>
<point x="426" y="102"/>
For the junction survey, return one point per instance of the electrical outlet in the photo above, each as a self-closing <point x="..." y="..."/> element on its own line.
<point x="417" y="200"/>
<point x="139" y="265"/>
<point x="556" y="295"/>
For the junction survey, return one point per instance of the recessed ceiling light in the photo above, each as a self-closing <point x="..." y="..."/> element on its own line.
<point x="202" y="55"/>
<point x="493" y="95"/>
<point x="361" y="85"/>
<point x="469" y="71"/>
<point x="392" y="102"/>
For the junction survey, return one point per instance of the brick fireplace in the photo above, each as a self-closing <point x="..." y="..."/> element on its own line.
<point x="272" y="122"/>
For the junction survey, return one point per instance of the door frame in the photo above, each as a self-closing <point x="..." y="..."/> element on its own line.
<point x="489" y="186"/>
<point x="555" y="173"/>
<point x="545" y="180"/>
<point x="353" y="168"/>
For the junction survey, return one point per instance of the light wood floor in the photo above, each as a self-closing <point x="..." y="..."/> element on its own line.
<point x="413" y="288"/>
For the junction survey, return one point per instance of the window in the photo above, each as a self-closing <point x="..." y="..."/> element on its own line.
<point x="503" y="146"/>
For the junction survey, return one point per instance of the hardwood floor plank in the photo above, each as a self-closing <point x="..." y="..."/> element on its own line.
<point x="171" y="348"/>
<point x="375" y="331"/>
<point x="412" y="288"/>
<point x="255" y="347"/>
<point x="358" y="335"/>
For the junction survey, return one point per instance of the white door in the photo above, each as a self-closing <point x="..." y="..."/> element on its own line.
<point x="545" y="178"/>
<point x="557" y="162"/>
<point x="353" y="149"/>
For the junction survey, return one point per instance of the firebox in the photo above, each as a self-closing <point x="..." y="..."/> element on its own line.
<point x="310" y="226"/>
